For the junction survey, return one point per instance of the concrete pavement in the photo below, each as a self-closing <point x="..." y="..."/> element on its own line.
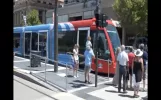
<point x="104" y="91"/>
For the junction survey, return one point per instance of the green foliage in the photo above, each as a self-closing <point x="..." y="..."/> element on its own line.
<point x="132" y="14"/>
<point x="33" y="18"/>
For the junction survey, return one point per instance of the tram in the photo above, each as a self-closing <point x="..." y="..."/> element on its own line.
<point x="41" y="38"/>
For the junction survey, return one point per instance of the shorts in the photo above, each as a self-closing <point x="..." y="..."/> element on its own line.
<point x="87" y="68"/>
<point x="76" y="62"/>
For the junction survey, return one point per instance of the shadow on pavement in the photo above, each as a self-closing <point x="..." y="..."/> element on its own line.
<point x="69" y="76"/>
<point x="78" y="81"/>
<point x="125" y="95"/>
<point x="145" y="98"/>
<point x="112" y="91"/>
<point x="77" y="85"/>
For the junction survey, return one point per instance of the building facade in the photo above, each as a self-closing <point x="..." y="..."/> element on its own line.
<point x="76" y="10"/>
<point x="22" y="7"/>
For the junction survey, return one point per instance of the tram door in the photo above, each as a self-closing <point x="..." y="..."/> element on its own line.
<point x="43" y="43"/>
<point x="27" y="43"/>
<point x="82" y="35"/>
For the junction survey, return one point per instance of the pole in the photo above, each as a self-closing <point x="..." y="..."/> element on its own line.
<point x="97" y="11"/>
<point x="96" y="72"/>
<point x="55" y="38"/>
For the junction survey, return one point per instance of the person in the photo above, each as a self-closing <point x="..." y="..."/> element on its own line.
<point x="88" y="54"/>
<point x="76" y="60"/>
<point x="88" y="43"/>
<point x="116" y="77"/>
<point x="138" y="70"/>
<point x="145" y="60"/>
<point x="131" y="57"/>
<point x="122" y="59"/>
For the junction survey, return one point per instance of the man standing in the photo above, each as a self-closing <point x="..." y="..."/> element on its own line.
<point x="131" y="57"/>
<point x="88" y="61"/>
<point x="122" y="59"/>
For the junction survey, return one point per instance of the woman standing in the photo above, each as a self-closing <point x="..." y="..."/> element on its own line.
<point x="138" y="69"/>
<point x="76" y="60"/>
<point x="116" y="77"/>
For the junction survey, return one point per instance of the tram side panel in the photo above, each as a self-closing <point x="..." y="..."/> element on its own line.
<point x="63" y="57"/>
<point x="17" y="42"/>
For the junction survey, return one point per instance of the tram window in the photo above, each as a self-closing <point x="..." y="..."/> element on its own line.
<point x="103" y="50"/>
<point x="34" y="44"/>
<point x="66" y="41"/>
<point x="16" y="40"/>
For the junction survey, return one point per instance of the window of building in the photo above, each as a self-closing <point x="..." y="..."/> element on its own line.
<point x="44" y="2"/>
<point x="16" y="40"/>
<point x="50" y="3"/>
<point x="41" y="16"/>
<point x="66" y="1"/>
<point x="75" y="18"/>
<point x="38" y="1"/>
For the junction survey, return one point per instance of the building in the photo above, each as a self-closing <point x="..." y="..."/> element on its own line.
<point x="22" y="7"/>
<point x="76" y="10"/>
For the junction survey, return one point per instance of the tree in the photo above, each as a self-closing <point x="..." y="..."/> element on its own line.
<point x="33" y="18"/>
<point x="132" y="14"/>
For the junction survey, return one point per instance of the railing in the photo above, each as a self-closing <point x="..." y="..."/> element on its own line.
<point x="46" y="60"/>
<point x="109" y="62"/>
<point x="67" y="66"/>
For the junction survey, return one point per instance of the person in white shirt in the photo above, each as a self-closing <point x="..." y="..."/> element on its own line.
<point x="88" y="43"/>
<point x="76" y="60"/>
<point x="122" y="59"/>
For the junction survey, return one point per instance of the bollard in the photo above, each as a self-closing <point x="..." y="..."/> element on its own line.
<point x="45" y="69"/>
<point x="108" y="71"/>
<point x="66" y="77"/>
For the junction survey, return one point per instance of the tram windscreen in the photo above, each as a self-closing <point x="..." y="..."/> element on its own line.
<point x="114" y="37"/>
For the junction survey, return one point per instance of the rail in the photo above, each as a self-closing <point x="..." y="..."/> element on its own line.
<point x="109" y="62"/>
<point x="46" y="60"/>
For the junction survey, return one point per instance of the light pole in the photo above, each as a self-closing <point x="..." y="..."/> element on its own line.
<point x="55" y="37"/>
<point x="97" y="13"/>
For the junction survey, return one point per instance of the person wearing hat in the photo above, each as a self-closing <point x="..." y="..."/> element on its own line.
<point x="138" y="70"/>
<point x="76" y="60"/>
<point x="122" y="59"/>
<point x="88" y="54"/>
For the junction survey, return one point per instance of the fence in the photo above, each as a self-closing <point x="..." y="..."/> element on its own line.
<point x="45" y="73"/>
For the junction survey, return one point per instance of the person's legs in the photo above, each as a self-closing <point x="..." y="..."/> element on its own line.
<point x="124" y="79"/>
<point x="130" y="76"/>
<point x="120" y="77"/>
<point x="144" y="78"/>
<point x="85" y="73"/>
<point x="88" y="74"/>
<point x="77" y="68"/>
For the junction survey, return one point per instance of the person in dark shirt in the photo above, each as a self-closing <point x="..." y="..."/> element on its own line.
<point x="145" y="60"/>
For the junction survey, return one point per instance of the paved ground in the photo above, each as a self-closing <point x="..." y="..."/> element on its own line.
<point x="25" y="90"/>
<point x="77" y="90"/>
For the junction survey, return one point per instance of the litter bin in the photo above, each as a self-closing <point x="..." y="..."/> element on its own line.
<point x="35" y="60"/>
